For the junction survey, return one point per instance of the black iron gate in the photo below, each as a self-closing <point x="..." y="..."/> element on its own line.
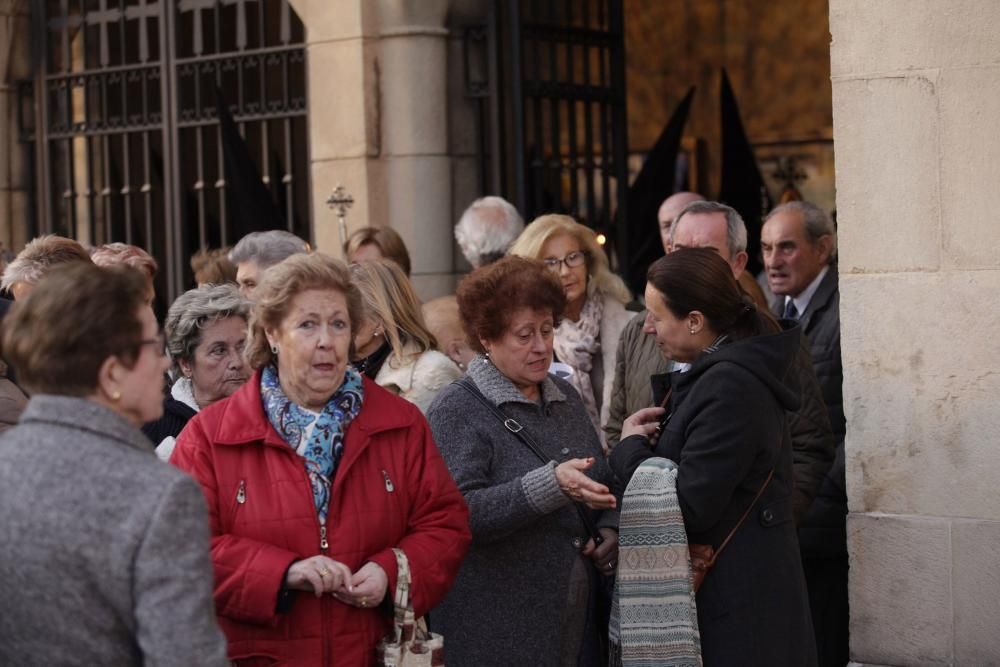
<point x="550" y="79"/>
<point x="128" y="145"/>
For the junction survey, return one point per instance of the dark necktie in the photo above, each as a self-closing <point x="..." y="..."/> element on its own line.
<point x="791" y="312"/>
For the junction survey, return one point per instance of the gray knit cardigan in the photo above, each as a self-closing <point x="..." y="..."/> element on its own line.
<point x="523" y="593"/>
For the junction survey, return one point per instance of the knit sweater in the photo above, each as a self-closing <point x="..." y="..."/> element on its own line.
<point x="521" y="596"/>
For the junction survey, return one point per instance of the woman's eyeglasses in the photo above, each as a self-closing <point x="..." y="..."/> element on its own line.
<point x="572" y="260"/>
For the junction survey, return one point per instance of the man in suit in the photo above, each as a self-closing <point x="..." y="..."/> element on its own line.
<point x="799" y="244"/>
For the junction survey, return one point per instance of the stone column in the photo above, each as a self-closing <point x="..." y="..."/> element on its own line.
<point x="414" y="125"/>
<point x="15" y="176"/>
<point x="341" y="59"/>
<point x="916" y="103"/>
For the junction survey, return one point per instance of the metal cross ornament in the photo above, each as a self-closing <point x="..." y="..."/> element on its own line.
<point x="339" y="202"/>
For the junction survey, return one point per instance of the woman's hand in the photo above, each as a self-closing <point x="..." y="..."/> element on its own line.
<point x="605" y="555"/>
<point x="580" y="488"/>
<point x="643" y="422"/>
<point x="319" y="574"/>
<point x="368" y="587"/>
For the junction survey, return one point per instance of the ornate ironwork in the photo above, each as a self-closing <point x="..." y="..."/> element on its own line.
<point x="558" y="67"/>
<point x="340" y="202"/>
<point x="126" y="129"/>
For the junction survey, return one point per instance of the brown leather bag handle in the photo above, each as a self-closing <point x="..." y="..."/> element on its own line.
<point x="742" y="518"/>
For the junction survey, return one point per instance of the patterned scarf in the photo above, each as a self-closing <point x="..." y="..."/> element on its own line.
<point x="575" y="344"/>
<point x="654" y="620"/>
<point x="317" y="437"/>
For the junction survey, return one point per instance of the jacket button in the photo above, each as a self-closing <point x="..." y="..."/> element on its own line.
<point x="564" y="450"/>
<point x="768" y="516"/>
<point x="577" y="542"/>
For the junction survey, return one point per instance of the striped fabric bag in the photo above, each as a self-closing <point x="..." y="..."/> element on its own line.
<point x="654" y="621"/>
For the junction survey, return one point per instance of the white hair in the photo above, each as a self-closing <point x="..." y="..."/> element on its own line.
<point x="487" y="229"/>
<point x="266" y="249"/>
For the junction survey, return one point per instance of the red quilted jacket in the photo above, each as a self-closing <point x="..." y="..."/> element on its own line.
<point x="392" y="489"/>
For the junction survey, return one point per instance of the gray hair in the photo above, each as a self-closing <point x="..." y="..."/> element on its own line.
<point x="815" y="220"/>
<point x="196" y="309"/>
<point x="736" y="229"/>
<point x="487" y="229"/>
<point x="267" y="248"/>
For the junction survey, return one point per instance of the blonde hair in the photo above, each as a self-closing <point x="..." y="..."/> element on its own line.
<point x="388" y="298"/>
<point x="534" y="237"/>
<point x="281" y="283"/>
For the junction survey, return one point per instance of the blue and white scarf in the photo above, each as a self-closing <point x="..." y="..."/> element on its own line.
<point x="317" y="437"/>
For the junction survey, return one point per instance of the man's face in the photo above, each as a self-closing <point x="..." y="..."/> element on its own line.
<point x="247" y="276"/>
<point x="708" y="230"/>
<point x="790" y="259"/>
<point x="669" y="210"/>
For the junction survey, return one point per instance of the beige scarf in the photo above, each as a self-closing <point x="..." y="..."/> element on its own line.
<point x="575" y="344"/>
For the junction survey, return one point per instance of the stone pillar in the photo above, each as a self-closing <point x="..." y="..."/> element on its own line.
<point x="916" y="102"/>
<point x="342" y="63"/>
<point x="15" y="176"/>
<point x="414" y="123"/>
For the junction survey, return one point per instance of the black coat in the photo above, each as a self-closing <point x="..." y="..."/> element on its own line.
<point x="823" y="530"/>
<point x="727" y="431"/>
<point x="175" y="417"/>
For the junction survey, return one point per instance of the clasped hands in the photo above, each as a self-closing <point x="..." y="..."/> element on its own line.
<point x="574" y="482"/>
<point x="321" y="574"/>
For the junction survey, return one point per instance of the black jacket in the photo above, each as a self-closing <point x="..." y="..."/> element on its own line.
<point x="728" y="430"/>
<point x="175" y="417"/>
<point x="823" y="530"/>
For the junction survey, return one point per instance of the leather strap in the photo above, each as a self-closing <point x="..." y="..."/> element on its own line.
<point x="744" y="517"/>
<point x="521" y="434"/>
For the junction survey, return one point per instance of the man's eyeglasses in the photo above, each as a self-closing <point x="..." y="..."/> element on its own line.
<point x="572" y="260"/>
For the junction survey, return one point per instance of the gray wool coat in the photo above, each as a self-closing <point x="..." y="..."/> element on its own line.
<point x="523" y="593"/>
<point x="103" y="548"/>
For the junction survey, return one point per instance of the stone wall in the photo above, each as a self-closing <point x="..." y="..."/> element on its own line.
<point x="15" y="176"/>
<point x="916" y="100"/>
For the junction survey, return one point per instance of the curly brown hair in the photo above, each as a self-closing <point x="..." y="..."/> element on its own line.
<point x="488" y="297"/>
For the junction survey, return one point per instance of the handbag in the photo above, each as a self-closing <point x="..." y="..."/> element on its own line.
<point x="703" y="556"/>
<point x="410" y="644"/>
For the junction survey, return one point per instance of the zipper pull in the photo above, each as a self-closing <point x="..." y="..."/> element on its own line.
<point x="323" y="544"/>
<point x="241" y="493"/>
<point x="388" y="482"/>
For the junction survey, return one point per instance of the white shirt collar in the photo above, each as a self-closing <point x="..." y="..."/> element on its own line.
<point x="806" y="295"/>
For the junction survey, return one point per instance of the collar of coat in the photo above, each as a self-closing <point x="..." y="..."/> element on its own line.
<point x="241" y="417"/>
<point x="498" y="388"/>
<point x="84" y="415"/>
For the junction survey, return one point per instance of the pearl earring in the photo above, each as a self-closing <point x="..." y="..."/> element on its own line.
<point x="116" y="395"/>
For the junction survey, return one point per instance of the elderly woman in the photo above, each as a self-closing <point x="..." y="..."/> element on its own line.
<point x="313" y="475"/>
<point x="392" y="345"/>
<point x="103" y="549"/>
<point x="206" y="331"/>
<point x="533" y="570"/>
<point x="258" y="251"/>
<point x="374" y="243"/>
<point x="587" y="339"/>
<point x="724" y="426"/>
